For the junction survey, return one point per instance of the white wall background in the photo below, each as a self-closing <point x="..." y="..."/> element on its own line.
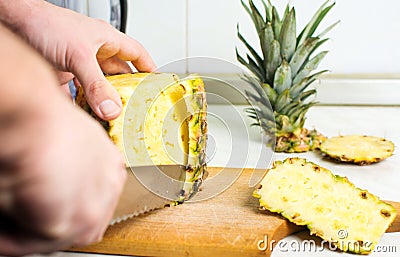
<point x="367" y="40"/>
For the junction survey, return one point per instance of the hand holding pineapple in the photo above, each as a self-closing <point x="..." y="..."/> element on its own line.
<point x="60" y="175"/>
<point x="78" y="47"/>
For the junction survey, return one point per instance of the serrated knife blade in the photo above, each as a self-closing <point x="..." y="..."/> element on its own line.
<point x="148" y="188"/>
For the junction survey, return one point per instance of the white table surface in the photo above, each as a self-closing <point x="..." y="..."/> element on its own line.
<point x="382" y="179"/>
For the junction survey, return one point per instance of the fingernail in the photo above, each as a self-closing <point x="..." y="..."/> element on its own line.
<point x="109" y="108"/>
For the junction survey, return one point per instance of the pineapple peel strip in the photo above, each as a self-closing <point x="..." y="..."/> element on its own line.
<point x="330" y="206"/>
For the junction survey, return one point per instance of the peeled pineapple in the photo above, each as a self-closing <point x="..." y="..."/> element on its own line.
<point x="330" y="206"/>
<point x="358" y="149"/>
<point x="163" y="121"/>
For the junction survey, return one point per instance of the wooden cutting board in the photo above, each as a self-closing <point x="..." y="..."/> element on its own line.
<point x="229" y="224"/>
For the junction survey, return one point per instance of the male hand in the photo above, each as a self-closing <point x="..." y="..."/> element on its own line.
<point x="81" y="46"/>
<point x="60" y="175"/>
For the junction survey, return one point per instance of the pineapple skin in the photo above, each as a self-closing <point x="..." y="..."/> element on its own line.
<point x="302" y="140"/>
<point x="358" y="149"/>
<point x="330" y="206"/>
<point x="195" y="99"/>
<point x="174" y="129"/>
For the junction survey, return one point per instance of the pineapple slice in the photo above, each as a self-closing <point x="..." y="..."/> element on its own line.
<point x="358" y="149"/>
<point x="197" y="123"/>
<point x="157" y="125"/>
<point x="332" y="208"/>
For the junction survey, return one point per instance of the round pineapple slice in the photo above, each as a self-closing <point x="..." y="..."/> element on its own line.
<point x="358" y="149"/>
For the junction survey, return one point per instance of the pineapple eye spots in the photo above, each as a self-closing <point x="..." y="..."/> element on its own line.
<point x="364" y="195"/>
<point x="333" y="208"/>
<point x="183" y="88"/>
<point x="385" y="213"/>
<point x="361" y="150"/>
<point x="296" y="215"/>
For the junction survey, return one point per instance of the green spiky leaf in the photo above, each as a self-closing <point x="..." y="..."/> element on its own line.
<point x="271" y="93"/>
<point x="310" y="66"/>
<point x="251" y="66"/>
<point x="283" y="71"/>
<point x="266" y="38"/>
<point x="313" y="24"/>
<point x="267" y="7"/>
<point x="282" y="100"/>
<point x="323" y="33"/>
<point x="258" y="19"/>
<point x="302" y="54"/>
<point x="253" y="52"/>
<point x="273" y="62"/>
<point x="283" y="78"/>
<point x="287" y="36"/>
<point x="277" y="24"/>
<point x="306" y="94"/>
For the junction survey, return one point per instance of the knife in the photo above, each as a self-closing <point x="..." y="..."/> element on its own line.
<point x="149" y="188"/>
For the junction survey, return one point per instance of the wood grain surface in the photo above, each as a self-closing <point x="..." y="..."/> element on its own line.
<point x="229" y="224"/>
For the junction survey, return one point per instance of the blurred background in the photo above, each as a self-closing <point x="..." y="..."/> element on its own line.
<point x="366" y="41"/>
<point x="364" y="47"/>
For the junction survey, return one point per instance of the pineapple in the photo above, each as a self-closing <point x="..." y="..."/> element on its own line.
<point x="330" y="206"/>
<point x="196" y="105"/>
<point x="357" y="149"/>
<point x="284" y="73"/>
<point x="163" y="122"/>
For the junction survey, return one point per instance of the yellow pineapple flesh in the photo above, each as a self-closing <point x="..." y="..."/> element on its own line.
<point x="330" y="206"/>
<point x="357" y="149"/>
<point x="156" y="125"/>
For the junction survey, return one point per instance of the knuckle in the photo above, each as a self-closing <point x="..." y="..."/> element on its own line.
<point x="80" y="53"/>
<point x="103" y="22"/>
<point x="95" y="88"/>
<point x="57" y="231"/>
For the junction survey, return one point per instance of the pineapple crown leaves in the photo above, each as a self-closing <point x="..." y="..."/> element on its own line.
<point x="286" y="67"/>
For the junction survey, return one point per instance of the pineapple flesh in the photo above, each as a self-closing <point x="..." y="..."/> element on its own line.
<point x="163" y="121"/>
<point x="284" y="71"/>
<point x="357" y="149"/>
<point x="330" y="206"/>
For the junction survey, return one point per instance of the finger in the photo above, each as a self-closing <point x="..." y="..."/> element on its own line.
<point x="114" y="65"/>
<point x="66" y="91"/>
<point x="64" y="77"/>
<point x="109" y="204"/>
<point x="100" y="94"/>
<point x="132" y="50"/>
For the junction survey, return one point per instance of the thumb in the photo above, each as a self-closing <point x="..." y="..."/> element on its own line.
<point x="102" y="97"/>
